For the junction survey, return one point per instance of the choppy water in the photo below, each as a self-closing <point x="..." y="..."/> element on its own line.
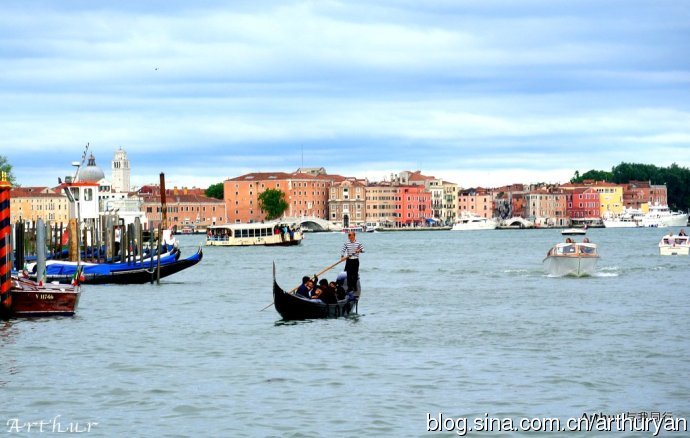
<point x="459" y="323"/>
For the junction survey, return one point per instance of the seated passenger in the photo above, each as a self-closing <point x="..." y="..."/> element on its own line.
<point x="306" y="288"/>
<point x="325" y="292"/>
<point x="341" y="285"/>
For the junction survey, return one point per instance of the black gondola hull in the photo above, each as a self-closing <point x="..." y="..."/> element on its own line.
<point x="294" y="307"/>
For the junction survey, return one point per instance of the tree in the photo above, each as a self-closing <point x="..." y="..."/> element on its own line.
<point x="273" y="202"/>
<point x="215" y="191"/>
<point x="5" y="166"/>
<point x="596" y="175"/>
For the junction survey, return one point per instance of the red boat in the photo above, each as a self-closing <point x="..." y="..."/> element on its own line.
<point x="28" y="298"/>
<point x="20" y="296"/>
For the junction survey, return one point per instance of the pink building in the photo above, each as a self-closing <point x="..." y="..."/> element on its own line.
<point x="477" y="201"/>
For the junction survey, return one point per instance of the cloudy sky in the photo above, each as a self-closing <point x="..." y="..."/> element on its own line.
<point x="478" y="92"/>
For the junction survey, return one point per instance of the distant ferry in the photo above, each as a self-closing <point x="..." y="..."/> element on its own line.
<point x="272" y="233"/>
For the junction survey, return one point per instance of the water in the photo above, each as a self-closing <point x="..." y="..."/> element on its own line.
<point x="460" y="323"/>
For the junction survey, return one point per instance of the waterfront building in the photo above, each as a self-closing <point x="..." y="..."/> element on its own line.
<point x="415" y="205"/>
<point x="28" y="204"/>
<point x="636" y="195"/>
<point x="347" y="202"/>
<point x="610" y="196"/>
<point x="547" y="208"/>
<point x="476" y="201"/>
<point x="382" y="205"/>
<point x="449" y="209"/>
<point x="658" y="194"/>
<point x="583" y="203"/>
<point x="186" y="208"/>
<point x="305" y="193"/>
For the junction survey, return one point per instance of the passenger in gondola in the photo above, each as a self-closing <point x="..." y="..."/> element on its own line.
<point x="306" y="289"/>
<point x="341" y="285"/>
<point x="325" y="292"/>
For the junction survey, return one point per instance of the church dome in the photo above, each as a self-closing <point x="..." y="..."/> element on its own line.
<point x="91" y="172"/>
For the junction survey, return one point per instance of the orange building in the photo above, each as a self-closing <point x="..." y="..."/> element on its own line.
<point x="306" y="194"/>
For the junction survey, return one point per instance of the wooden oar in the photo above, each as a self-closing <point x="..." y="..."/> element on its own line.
<point x="291" y="292"/>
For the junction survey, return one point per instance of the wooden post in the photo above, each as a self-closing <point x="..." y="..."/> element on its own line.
<point x="158" y="267"/>
<point x="73" y="240"/>
<point x="164" y="204"/>
<point x="40" y="251"/>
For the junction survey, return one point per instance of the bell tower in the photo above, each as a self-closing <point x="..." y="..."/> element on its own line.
<point x="121" y="172"/>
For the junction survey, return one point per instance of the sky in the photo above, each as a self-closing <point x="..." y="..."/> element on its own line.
<point x="477" y="92"/>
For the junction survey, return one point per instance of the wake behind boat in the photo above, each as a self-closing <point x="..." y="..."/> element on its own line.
<point x="571" y="259"/>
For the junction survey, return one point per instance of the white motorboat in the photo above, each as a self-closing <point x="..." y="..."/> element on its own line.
<point x="574" y="231"/>
<point x="468" y="222"/>
<point x="674" y="244"/>
<point x="571" y="258"/>
<point x="630" y="218"/>
<point x="661" y="216"/>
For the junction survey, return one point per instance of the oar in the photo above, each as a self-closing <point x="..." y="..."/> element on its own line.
<point x="315" y="275"/>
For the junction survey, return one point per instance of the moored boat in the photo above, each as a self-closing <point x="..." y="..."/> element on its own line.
<point x="29" y="299"/>
<point x="572" y="259"/>
<point x="272" y="233"/>
<point x="660" y="216"/>
<point x="147" y="271"/>
<point x="674" y="244"/>
<point x="471" y="222"/>
<point x="294" y="307"/>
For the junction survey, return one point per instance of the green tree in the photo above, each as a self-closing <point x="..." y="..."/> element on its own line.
<point x="215" y="191"/>
<point x="597" y="175"/>
<point x="5" y="166"/>
<point x="273" y="202"/>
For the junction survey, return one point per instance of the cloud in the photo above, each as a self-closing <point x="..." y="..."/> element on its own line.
<point x="206" y="92"/>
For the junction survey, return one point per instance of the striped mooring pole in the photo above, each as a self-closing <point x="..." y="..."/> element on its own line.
<point x="5" y="246"/>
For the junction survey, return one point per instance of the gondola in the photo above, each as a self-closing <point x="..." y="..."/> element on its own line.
<point x="136" y="274"/>
<point x="294" y="307"/>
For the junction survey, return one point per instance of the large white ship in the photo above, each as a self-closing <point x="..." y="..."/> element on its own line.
<point x="661" y="216"/>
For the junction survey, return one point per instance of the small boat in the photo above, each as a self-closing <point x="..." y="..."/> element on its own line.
<point x="472" y="222"/>
<point x="294" y="307"/>
<point x="272" y="233"/>
<point x="574" y="231"/>
<point x="571" y="258"/>
<point x="123" y="272"/>
<point x="29" y="299"/>
<point x="674" y="245"/>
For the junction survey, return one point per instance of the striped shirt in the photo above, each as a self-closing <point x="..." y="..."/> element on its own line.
<point x="352" y="250"/>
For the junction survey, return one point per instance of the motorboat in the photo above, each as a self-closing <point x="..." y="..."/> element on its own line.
<point x="661" y="216"/>
<point x="469" y="222"/>
<point x="674" y="244"/>
<point x="574" y="231"/>
<point x="571" y="259"/>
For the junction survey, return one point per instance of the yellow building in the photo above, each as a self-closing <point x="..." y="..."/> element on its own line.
<point x="28" y="204"/>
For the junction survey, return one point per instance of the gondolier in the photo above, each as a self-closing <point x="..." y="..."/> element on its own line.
<point x="351" y="251"/>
